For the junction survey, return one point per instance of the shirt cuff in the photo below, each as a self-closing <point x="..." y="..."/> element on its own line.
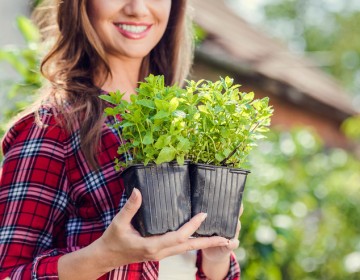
<point x="234" y="269"/>
<point x="45" y="265"/>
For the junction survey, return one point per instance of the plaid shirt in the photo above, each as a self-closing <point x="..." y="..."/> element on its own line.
<point x="51" y="203"/>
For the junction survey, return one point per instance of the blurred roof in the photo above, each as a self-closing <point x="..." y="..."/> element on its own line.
<point x="233" y="43"/>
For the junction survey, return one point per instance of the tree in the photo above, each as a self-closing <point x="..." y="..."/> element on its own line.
<point x="301" y="211"/>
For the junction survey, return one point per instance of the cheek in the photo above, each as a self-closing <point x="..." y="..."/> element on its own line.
<point x="164" y="16"/>
<point x="168" y="9"/>
<point x="98" y="11"/>
<point x="163" y="10"/>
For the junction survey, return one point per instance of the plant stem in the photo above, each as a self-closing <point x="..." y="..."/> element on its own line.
<point x="223" y="162"/>
<point x="142" y="146"/>
<point x="119" y="132"/>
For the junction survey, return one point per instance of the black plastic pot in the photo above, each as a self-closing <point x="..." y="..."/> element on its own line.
<point x="165" y="191"/>
<point x="217" y="191"/>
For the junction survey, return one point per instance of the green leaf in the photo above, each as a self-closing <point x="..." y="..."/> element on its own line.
<point x="219" y="156"/>
<point x="184" y="144"/>
<point x="109" y="111"/>
<point x="167" y="154"/>
<point x="146" y="161"/>
<point x="28" y="29"/>
<point x="125" y="124"/>
<point x="148" y="139"/>
<point x="173" y="104"/>
<point x="228" y="81"/>
<point x="146" y="103"/>
<point x="136" y="143"/>
<point x="257" y="104"/>
<point x="249" y="96"/>
<point x="162" y="105"/>
<point x="163" y="141"/>
<point x="179" y="114"/>
<point x="180" y="159"/>
<point x="203" y="109"/>
<point x="161" y="115"/>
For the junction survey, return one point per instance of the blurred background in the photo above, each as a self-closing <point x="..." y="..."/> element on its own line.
<point x="302" y="198"/>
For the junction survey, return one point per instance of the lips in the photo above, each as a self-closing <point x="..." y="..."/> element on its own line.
<point x="133" y="30"/>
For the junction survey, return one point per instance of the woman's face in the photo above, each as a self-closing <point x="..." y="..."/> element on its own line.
<point x="129" y="28"/>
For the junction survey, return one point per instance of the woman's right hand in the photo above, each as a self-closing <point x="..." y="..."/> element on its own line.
<point x="121" y="244"/>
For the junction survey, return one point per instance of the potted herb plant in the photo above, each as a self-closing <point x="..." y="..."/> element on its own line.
<point x="212" y="125"/>
<point x="223" y="130"/>
<point x="151" y="130"/>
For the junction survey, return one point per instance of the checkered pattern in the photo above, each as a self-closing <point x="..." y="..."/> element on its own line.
<point x="51" y="203"/>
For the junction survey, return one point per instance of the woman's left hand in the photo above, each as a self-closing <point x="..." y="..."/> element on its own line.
<point x="216" y="254"/>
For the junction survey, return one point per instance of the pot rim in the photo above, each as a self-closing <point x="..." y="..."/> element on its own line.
<point x="231" y="169"/>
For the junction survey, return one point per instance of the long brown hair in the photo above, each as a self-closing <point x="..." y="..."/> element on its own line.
<point x="77" y="51"/>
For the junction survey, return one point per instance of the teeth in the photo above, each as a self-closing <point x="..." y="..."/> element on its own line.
<point x="133" y="28"/>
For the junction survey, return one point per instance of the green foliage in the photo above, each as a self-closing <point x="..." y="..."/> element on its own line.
<point x="207" y="122"/>
<point x="226" y="123"/>
<point x="302" y="214"/>
<point x="152" y="125"/>
<point x="199" y="33"/>
<point x="351" y="127"/>
<point x="25" y="61"/>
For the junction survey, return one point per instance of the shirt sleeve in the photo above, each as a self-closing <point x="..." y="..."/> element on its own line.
<point x="234" y="269"/>
<point x="33" y="199"/>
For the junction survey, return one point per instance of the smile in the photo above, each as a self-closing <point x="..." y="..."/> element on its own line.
<point x="133" y="31"/>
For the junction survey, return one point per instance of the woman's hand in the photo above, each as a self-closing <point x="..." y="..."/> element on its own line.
<point x="121" y="244"/>
<point x="216" y="260"/>
<point x="217" y="253"/>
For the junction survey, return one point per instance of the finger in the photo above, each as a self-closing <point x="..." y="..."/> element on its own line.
<point x="130" y="208"/>
<point x="238" y="228"/>
<point x="191" y="226"/>
<point x="196" y="244"/>
<point x="181" y="235"/>
<point x="233" y="244"/>
<point x="241" y="209"/>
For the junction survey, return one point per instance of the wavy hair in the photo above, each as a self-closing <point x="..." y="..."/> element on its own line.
<point x="77" y="51"/>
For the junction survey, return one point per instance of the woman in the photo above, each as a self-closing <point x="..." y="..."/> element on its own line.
<point x="63" y="212"/>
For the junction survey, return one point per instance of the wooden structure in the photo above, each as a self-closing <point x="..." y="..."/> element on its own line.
<point x="301" y="93"/>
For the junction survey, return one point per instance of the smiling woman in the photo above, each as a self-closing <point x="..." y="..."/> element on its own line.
<point x="63" y="210"/>
<point x="129" y="30"/>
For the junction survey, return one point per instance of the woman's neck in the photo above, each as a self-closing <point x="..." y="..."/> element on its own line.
<point x="124" y="76"/>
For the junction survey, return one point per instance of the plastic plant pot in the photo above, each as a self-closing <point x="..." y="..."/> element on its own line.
<point x="217" y="191"/>
<point x="165" y="191"/>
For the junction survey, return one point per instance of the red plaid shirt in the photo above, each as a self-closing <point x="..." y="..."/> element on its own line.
<point x="51" y="203"/>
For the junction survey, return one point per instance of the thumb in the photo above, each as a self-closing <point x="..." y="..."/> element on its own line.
<point x="131" y="206"/>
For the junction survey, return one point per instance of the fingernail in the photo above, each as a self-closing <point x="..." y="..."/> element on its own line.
<point x="133" y="195"/>
<point x="203" y="217"/>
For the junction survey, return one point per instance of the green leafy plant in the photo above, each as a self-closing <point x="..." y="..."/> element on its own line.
<point x="205" y="122"/>
<point x="227" y="122"/>
<point x="152" y="123"/>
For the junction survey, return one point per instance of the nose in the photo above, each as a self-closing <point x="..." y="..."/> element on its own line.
<point x="136" y="8"/>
